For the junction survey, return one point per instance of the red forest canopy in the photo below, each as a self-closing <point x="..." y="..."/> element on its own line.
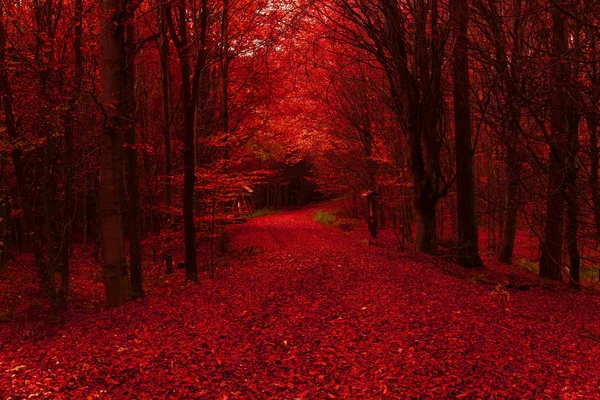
<point x="432" y="167"/>
<point x="137" y="124"/>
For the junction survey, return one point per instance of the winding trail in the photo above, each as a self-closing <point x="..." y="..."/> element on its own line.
<point x="316" y="313"/>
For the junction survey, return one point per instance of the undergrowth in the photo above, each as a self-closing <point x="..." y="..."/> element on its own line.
<point x="265" y="211"/>
<point x="337" y="219"/>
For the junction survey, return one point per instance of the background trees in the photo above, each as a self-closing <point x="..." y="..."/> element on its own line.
<point x="132" y="125"/>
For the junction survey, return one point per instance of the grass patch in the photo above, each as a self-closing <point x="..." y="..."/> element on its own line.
<point x="589" y="274"/>
<point x="335" y="219"/>
<point x="527" y="265"/>
<point x="264" y="211"/>
<point x="324" y="217"/>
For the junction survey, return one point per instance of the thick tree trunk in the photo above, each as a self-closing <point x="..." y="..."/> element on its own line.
<point x="131" y="165"/>
<point x="468" y="250"/>
<point x="550" y="262"/>
<point x="425" y="236"/>
<point x="114" y="99"/>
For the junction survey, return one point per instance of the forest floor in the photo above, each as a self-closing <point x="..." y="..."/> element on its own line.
<point x="307" y="311"/>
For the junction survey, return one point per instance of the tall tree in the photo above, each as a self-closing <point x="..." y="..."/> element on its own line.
<point x="69" y="209"/>
<point x="163" y="52"/>
<point x="190" y="92"/>
<point x="468" y="251"/>
<point x="550" y="262"/>
<point x="115" y="102"/>
<point x="416" y="91"/>
<point x="131" y="163"/>
<point x="509" y="75"/>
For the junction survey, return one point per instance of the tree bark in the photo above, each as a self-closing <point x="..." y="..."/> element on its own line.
<point x="189" y="177"/>
<point x="225" y="73"/>
<point x="510" y="75"/>
<point x="511" y="204"/>
<point x="68" y="212"/>
<point x="572" y="227"/>
<point x="163" y="46"/>
<point x="131" y="166"/>
<point x="468" y="250"/>
<point x="550" y="262"/>
<point x="190" y="89"/>
<point x="595" y="164"/>
<point x="420" y="106"/>
<point x="114" y="99"/>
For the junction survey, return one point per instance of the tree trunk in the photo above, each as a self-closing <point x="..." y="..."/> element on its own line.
<point x="69" y="209"/>
<point x="511" y="204"/>
<point x="163" y="47"/>
<point x="571" y="199"/>
<point x="131" y="165"/>
<point x="468" y="251"/>
<point x="225" y="74"/>
<point x="3" y="229"/>
<point x="425" y="240"/>
<point x="550" y="261"/>
<point x="189" y="108"/>
<point x="420" y="106"/>
<point x="113" y="81"/>
<point x="595" y="164"/>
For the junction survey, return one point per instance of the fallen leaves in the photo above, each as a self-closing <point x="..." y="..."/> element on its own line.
<point x="316" y="315"/>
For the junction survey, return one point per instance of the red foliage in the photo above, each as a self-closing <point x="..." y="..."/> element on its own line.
<point x="308" y="311"/>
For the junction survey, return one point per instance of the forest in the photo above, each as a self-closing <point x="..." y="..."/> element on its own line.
<point x="302" y="199"/>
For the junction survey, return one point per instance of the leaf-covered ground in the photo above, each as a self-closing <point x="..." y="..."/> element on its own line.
<point x="316" y="313"/>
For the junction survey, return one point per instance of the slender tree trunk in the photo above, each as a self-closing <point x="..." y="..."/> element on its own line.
<point x="511" y="203"/>
<point x="595" y="164"/>
<point x="550" y="261"/>
<point x="189" y="177"/>
<point x="190" y="89"/>
<point x="225" y="73"/>
<point x="131" y="165"/>
<point x="115" y="102"/>
<point x="510" y="73"/>
<point x="68" y="213"/>
<point x="163" y="45"/>
<point x="572" y="227"/>
<point x="3" y="229"/>
<point x="425" y="239"/>
<point x="468" y="251"/>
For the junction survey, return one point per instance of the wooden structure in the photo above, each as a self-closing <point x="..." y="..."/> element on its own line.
<point x="242" y="205"/>
<point x="373" y="208"/>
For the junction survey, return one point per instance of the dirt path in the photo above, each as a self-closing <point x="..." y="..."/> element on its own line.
<point x="316" y="313"/>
